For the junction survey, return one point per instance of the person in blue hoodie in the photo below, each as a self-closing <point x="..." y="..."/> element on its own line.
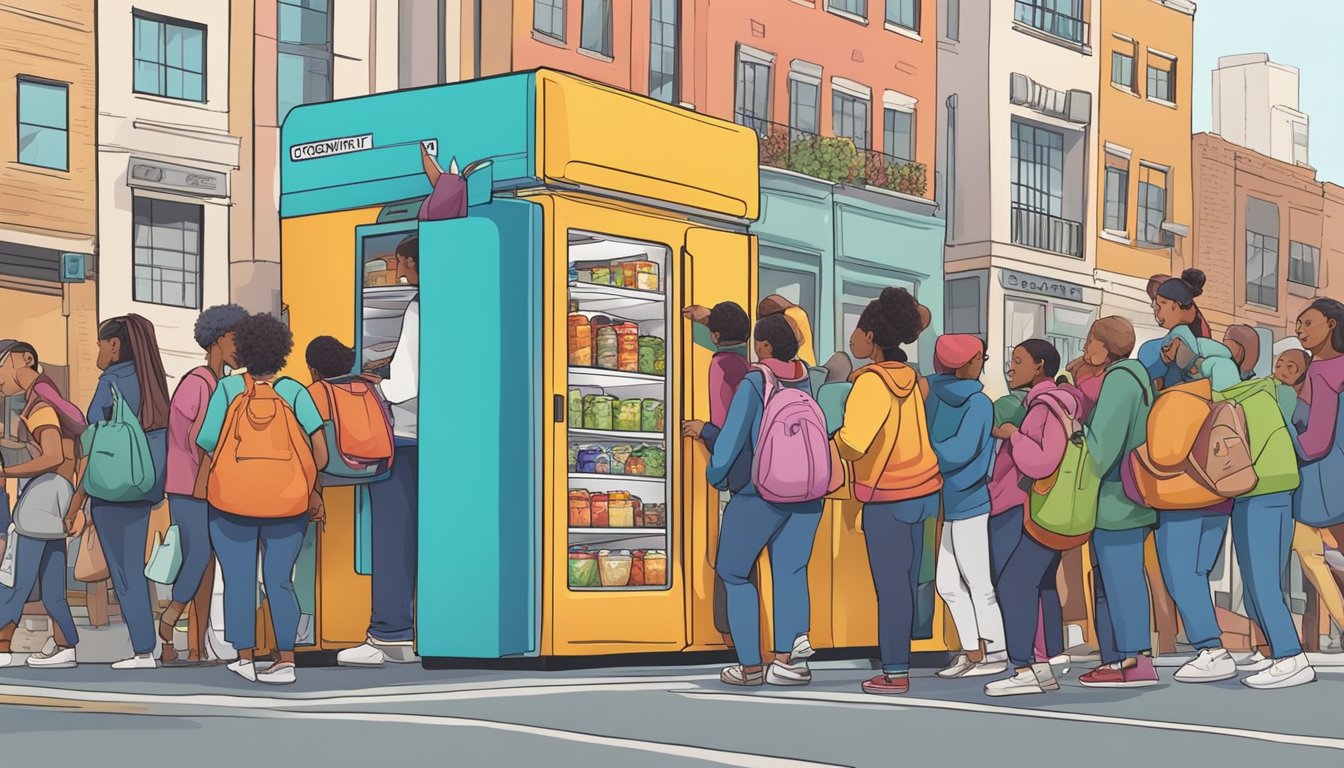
<point x="960" y="417"/>
<point x="752" y="525"/>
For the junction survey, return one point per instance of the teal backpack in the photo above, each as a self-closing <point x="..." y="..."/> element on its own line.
<point x="1063" y="508"/>
<point x="120" y="466"/>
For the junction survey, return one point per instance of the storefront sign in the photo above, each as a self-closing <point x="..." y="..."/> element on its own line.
<point x="1019" y="281"/>
<point x="148" y="174"/>
<point x="326" y="147"/>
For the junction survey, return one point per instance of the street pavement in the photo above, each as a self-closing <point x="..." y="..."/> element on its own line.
<point x="673" y="716"/>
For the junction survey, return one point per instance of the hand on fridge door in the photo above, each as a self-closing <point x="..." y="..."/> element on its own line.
<point x="693" y="429"/>
<point x="696" y="314"/>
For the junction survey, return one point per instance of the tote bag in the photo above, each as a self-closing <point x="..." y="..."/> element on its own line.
<point x="90" y="564"/>
<point x="1319" y="499"/>
<point x="166" y="560"/>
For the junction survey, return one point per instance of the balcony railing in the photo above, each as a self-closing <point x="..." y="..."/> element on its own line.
<point x="835" y="159"/>
<point x="1039" y="14"/>
<point x="1038" y="229"/>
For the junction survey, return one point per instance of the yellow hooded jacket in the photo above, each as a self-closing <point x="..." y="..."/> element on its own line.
<point x="886" y="436"/>
<point x="802" y="328"/>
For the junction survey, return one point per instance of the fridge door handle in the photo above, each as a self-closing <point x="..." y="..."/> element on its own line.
<point x="560" y="410"/>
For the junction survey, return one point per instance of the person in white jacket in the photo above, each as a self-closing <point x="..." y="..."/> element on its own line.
<point x="391" y="633"/>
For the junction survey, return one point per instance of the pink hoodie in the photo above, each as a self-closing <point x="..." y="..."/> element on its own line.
<point x="1034" y="451"/>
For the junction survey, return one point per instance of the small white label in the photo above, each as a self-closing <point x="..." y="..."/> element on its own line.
<point x="431" y="147"/>
<point x="326" y="147"/>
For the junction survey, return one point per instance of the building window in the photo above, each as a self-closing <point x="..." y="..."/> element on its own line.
<point x="950" y="10"/>
<point x="169" y="58"/>
<point x="1152" y="204"/>
<point x="965" y="307"/>
<point x="1059" y="18"/>
<point x="663" y="25"/>
<point x="1262" y="253"/>
<point x="548" y="18"/>
<point x="1303" y="263"/>
<point x="1161" y="78"/>
<point x="904" y="13"/>
<point x="849" y="117"/>
<point x="857" y="8"/>
<point x="595" y="34"/>
<point x="1038" y="192"/>
<point x="44" y="124"/>
<point x="303" y="54"/>
<point x="1122" y="63"/>
<point x="753" y="91"/>
<point x="804" y="105"/>
<point x="167" y="248"/>
<point x="1117" y="193"/>
<point x="898" y="133"/>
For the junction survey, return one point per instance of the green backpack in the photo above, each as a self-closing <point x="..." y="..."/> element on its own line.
<point x="120" y="466"/>
<point x="1265" y="404"/>
<point x="1063" y="508"/>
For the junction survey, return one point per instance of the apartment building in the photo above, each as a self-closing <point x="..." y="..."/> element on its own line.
<point x="1017" y="116"/>
<point x="1144" y="193"/>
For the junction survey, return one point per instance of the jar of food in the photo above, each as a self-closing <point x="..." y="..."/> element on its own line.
<point x="648" y="354"/>
<point x="597" y="411"/>
<point x="573" y="458"/>
<point x="601" y="275"/>
<point x="600" y="510"/>
<point x="655" y="516"/>
<point x="646" y="276"/>
<point x="636" y="568"/>
<point x="655" y="568"/>
<point x="583" y="568"/>
<point x="627" y="416"/>
<point x="607" y="356"/>
<point x="575" y="408"/>
<point x="620" y="454"/>
<point x="580" y="509"/>
<point x="634" y="465"/>
<point x="580" y="337"/>
<point x="651" y="416"/>
<point x="627" y="347"/>
<point x="620" y="510"/>
<point x="614" y="567"/>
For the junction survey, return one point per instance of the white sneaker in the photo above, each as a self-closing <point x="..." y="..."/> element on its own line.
<point x="1256" y="662"/>
<point x="986" y="668"/>
<point x="961" y="664"/>
<point x="1283" y="673"/>
<point x="57" y="658"/>
<point x="137" y="662"/>
<point x="1020" y="684"/>
<point x="1210" y="666"/>
<point x="366" y="655"/>
<point x="802" y="649"/>
<point x="779" y="673"/>
<point x="277" y="674"/>
<point x="245" y="669"/>
<point x="6" y="659"/>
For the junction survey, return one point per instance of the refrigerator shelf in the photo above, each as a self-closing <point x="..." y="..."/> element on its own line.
<point x="624" y="303"/>
<point x="605" y="434"/>
<point x="597" y="377"/>
<point x="621" y="532"/>
<point x="660" y="588"/>
<point x="619" y="477"/>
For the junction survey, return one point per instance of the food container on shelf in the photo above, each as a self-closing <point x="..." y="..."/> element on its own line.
<point x="620" y="510"/>
<point x="601" y="275"/>
<point x="598" y="504"/>
<point x="652" y="356"/>
<point x="651" y="416"/>
<point x="592" y="460"/>
<point x="580" y="509"/>
<point x="575" y="407"/>
<point x="597" y="411"/>
<point x="580" y="337"/>
<point x="614" y="567"/>
<point x="620" y="454"/>
<point x="608" y="348"/>
<point x="655" y="568"/>
<point x="636" y="568"/>
<point x="639" y="275"/>
<point x="627" y="347"/>
<point x="627" y="416"/>
<point x="583" y="568"/>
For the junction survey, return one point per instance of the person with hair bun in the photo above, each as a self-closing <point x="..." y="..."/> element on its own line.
<point x="896" y="476"/>
<point x="1173" y="306"/>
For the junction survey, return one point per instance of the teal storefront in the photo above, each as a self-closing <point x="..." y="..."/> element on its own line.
<point x="832" y="248"/>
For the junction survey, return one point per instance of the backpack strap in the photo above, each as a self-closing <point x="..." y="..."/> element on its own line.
<point x="771" y="383"/>
<point x="1144" y="389"/>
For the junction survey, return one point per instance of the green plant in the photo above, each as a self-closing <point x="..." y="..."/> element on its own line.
<point x="825" y="157"/>
<point x="775" y="147"/>
<point x="911" y="179"/>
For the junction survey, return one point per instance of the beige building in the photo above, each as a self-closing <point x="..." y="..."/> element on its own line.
<point x="48" y="192"/>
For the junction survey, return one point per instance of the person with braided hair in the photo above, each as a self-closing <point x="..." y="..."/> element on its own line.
<point x="886" y="437"/>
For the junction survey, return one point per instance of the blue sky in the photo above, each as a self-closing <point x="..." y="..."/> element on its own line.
<point x="1301" y="33"/>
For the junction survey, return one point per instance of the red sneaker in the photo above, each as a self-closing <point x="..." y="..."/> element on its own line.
<point x="1141" y="675"/>
<point x="1105" y="676"/>
<point x="883" y="685"/>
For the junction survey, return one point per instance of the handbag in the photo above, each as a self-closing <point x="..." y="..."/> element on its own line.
<point x="1316" y="500"/>
<point x="166" y="559"/>
<point x="7" y="563"/>
<point x="90" y="564"/>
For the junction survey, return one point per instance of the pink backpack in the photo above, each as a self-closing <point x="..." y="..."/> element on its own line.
<point x="792" y="461"/>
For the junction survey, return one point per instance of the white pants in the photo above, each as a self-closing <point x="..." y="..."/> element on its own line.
<point x="965" y="585"/>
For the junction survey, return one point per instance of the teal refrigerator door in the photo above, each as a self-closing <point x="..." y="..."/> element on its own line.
<point x="479" y="425"/>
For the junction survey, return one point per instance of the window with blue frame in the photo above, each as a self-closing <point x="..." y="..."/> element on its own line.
<point x="904" y="13"/>
<point x="548" y="18"/>
<point x="169" y="58"/>
<point x="44" y="124"/>
<point x="304" y="54"/>
<point x="852" y="7"/>
<point x="166" y="243"/>
<point x="595" y="30"/>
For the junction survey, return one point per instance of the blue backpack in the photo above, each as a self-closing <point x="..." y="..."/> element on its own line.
<point x="120" y="466"/>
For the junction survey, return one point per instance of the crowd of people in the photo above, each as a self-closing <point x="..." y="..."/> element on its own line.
<point x="240" y="453"/>
<point x="1175" y="441"/>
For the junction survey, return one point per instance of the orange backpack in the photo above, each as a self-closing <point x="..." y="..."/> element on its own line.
<point x="358" y="430"/>
<point x="263" y="466"/>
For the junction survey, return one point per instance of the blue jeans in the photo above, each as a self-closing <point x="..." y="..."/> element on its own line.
<point x="39" y="560"/>
<point x="235" y="539"/>
<point x="395" y="542"/>
<point x="1188" y="544"/>
<point x="1031" y="571"/>
<point x="894" y="533"/>
<point x="1262" y="535"/>
<point x="123" y="529"/>
<point x="751" y="525"/>
<point x="192" y="518"/>
<point x="1005" y="533"/>
<point x="1124" y="614"/>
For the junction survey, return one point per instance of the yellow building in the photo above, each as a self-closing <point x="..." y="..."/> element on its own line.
<point x="1145" y="51"/>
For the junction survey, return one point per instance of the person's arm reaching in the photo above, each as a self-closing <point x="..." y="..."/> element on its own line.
<point x="403" y="381"/>
<point x="733" y="438"/>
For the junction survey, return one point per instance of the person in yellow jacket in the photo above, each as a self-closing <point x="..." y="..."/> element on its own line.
<point x="886" y="437"/>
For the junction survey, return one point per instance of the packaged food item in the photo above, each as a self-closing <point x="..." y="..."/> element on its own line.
<point x="580" y="337"/>
<point x="601" y="275"/>
<point x="652" y="355"/>
<point x="614" y="567"/>
<point x="575" y="408"/>
<point x="655" y="516"/>
<point x="573" y="458"/>
<point x="634" y="465"/>
<point x="651" y="416"/>
<point x="608" y="355"/>
<point x="655" y="568"/>
<point x="636" y="568"/>
<point x="639" y="275"/>
<point x="627" y="347"/>
<point x="580" y="509"/>
<point x="573" y="273"/>
<point x="583" y="568"/>
<point x="655" y="460"/>
<point x="620" y="454"/>
<point x="598" y="505"/>
<point x="620" y="510"/>
<point x="597" y="411"/>
<point x="627" y="416"/>
<point x="592" y="460"/>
